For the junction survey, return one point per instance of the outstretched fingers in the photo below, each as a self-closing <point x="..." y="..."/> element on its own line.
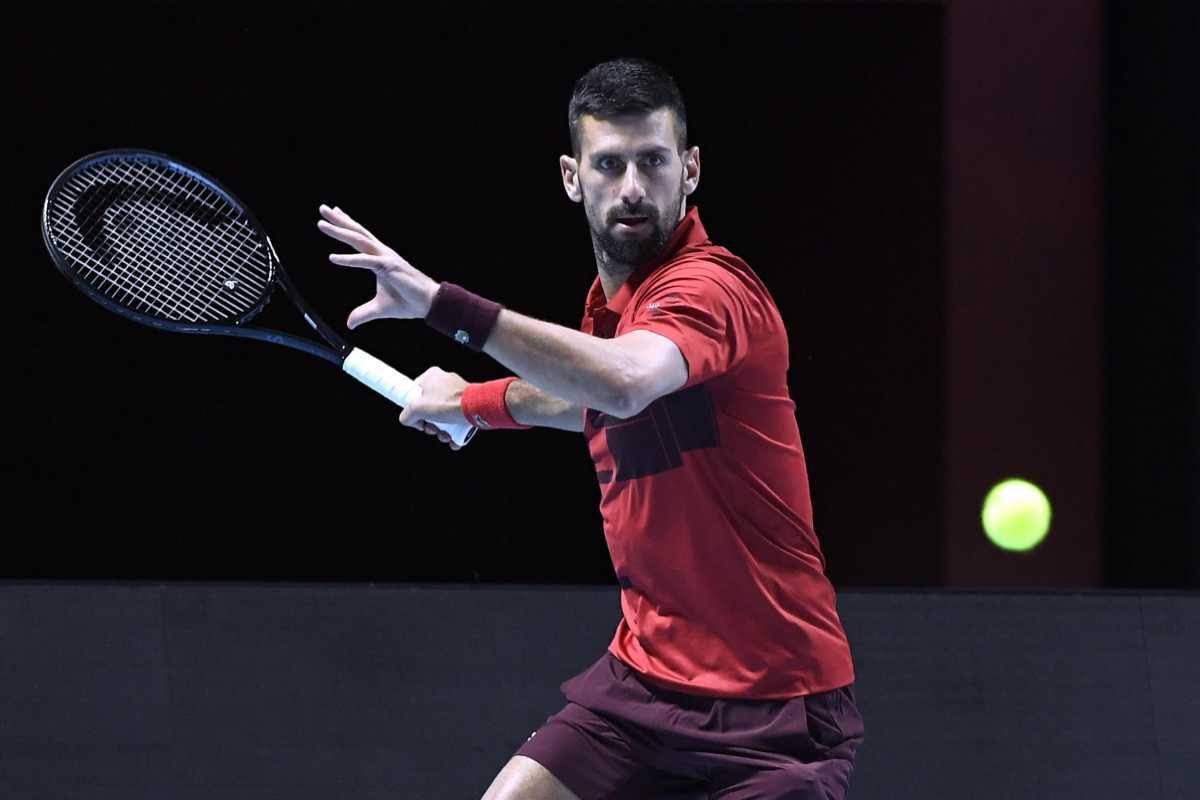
<point x="361" y="243"/>
<point x="342" y="219"/>
<point x="359" y="260"/>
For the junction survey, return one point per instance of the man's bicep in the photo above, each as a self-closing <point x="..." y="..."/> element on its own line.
<point x="662" y="366"/>
<point x="702" y="311"/>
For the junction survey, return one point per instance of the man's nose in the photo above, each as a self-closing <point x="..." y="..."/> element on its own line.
<point x="632" y="191"/>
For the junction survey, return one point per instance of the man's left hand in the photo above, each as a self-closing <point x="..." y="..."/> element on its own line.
<point x="401" y="290"/>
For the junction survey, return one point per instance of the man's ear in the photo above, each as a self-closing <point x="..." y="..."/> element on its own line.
<point x="570" y="177"/>
<point x="691" y="170"/>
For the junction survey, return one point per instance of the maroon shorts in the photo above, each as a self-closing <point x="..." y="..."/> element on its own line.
<point x="620" y="737"/>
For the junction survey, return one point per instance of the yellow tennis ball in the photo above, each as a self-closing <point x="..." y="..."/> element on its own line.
<point x="1016" y="515"/>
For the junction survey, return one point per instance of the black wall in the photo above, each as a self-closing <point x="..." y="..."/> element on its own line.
<point x="132" y="453"/>
<point x="1152" y="508"/>
<point x="820" y="134"/>
<point x="246" y="691"/>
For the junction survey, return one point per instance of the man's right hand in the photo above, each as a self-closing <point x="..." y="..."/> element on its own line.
<point x="441" y="401"/>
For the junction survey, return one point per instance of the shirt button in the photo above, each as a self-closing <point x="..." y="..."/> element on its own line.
<point x="461" y="336"/>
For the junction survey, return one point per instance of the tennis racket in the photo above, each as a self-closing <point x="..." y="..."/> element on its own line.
<point x="163" y="244"/>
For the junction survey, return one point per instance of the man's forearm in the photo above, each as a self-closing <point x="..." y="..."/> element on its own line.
<point x="529" y="405"/>
<point x="583" y="370"/>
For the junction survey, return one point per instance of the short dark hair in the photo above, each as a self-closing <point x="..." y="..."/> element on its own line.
<point x="625" y="86"/>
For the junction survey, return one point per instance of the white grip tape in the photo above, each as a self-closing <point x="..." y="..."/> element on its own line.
<point x="397" y="387"/>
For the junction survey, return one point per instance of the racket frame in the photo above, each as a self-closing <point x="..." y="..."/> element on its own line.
<point x="337" y="351"/>
<point x="236" y="326"/>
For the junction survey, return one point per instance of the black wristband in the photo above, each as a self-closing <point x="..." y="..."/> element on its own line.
<point x="465" y="317"/>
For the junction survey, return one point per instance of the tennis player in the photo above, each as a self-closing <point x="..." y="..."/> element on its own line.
<point x="730" y="675"/>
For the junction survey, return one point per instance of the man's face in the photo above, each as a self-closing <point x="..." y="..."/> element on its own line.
<point x="632" y="181"/>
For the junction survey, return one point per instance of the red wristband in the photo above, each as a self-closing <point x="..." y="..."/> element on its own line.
<point x="483" y="405"/>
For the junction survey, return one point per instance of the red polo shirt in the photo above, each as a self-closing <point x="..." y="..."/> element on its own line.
<point x="704" y="494"/>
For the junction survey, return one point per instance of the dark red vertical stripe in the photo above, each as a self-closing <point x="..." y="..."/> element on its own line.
<point x="1023" y="283"/>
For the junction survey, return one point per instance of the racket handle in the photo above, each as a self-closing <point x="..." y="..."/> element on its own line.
<point x="398" y="388"/>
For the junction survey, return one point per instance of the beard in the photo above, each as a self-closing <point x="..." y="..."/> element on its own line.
<point x="619" y="252"/>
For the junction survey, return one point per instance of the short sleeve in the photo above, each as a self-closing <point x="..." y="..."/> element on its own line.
<point x="703" y="309"/>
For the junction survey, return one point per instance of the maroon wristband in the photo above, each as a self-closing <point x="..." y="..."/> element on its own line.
<point x="465" y="317"/>
<point x="483" y="405"/>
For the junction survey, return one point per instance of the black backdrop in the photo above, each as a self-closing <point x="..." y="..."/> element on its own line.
<point x="1152" y="296"/>
<point x="821" y="132"/>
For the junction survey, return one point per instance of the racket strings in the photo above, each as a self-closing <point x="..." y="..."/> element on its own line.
<point x="164" y="235"/>
<point x="159" y="241"/>
<point x="112" y="254"/>
<point x="99" y="258"/>
<point x="126" y="282"/>
<point x="216" y="220"/>
<point x="166" y="238"/>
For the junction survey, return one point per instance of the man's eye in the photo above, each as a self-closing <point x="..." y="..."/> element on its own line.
<point x="656" y="161"/>
<point x="607" y="163"/>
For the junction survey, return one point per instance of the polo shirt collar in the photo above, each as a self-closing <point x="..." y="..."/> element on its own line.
<point x="688" y="233"/>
